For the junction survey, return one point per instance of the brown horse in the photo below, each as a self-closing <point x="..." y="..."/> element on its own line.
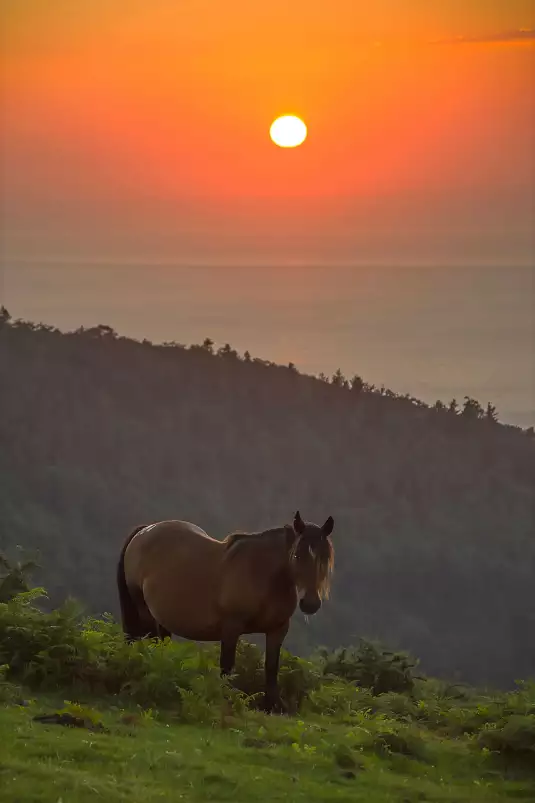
<point x="174" y="578"/>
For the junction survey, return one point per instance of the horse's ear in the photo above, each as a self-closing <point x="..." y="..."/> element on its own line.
<point x="328" y="527"/>
<point x="299" y="524"/>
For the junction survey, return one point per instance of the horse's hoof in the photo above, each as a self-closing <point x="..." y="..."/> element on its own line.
<point x="275" y="707"/>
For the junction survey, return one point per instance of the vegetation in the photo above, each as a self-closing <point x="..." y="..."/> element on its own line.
<point x="14" y="577"/>
<point x="433" y="504"/>
<point x="84" y="715"/>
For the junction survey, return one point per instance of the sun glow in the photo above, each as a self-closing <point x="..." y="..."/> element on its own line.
<point x="288" y="131"/>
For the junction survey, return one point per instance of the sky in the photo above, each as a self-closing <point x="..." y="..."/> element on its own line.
<point x="138" y="131"/>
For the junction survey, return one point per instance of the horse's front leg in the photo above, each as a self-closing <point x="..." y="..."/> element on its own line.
<point x="273" y="702"/>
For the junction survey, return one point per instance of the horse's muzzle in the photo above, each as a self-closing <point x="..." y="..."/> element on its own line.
<point x="310" y="608"/>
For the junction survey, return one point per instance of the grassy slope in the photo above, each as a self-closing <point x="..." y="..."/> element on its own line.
<point x="160" y="724"/>
<point x="255" y="757"/>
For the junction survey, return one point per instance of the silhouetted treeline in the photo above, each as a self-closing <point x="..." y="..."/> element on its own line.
<point x="433" y="505"/>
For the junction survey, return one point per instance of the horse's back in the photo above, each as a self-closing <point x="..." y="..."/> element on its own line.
<point x="171" y="529"/>
<point x="169" y="541"/>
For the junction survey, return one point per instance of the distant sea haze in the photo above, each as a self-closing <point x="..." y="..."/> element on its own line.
<point x="434" y="332"/>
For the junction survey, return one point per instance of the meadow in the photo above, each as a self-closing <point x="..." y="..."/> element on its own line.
<point x="86" y="716"/>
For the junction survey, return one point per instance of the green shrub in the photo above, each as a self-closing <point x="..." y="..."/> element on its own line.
<point x="337" y="698"/>
<point x="371" y="666"/>
<point x="61" y="649"/>
<point x="9" y="692"/>
<point x="401" y="742"/>
<point x="15" y="576"/>
<point x="396" y="706"/>
<point x="513" y="737"/>
<point x="297" y="677"/>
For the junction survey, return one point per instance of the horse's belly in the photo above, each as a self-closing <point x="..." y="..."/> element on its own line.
<point x="212" y="632"/>
<point x="183" y="613"/>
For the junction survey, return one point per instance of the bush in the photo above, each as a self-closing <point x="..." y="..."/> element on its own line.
<point x="372" y="667"/>
<point x="513" y="738"/>
<point x="61" y="649"/>
<point x="396" y="706"/>
<point x="9" y="692"/>
<point x="14" y="577"/>
<point x="401" y="741"/>
<point x="297" y="677"/>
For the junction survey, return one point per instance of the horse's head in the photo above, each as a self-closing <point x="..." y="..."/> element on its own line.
<point x="312" y="560"/>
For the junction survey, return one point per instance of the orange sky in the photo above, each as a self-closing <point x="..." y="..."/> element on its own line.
<point x="142" y="128"/>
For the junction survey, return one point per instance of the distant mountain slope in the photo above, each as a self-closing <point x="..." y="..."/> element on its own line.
<point x="433" y="507"/>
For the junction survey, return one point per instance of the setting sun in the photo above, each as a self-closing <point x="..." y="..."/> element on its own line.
<point x="288" y="131"/>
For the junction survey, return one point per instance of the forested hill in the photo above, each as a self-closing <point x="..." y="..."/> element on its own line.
<point x="433" y="506"/>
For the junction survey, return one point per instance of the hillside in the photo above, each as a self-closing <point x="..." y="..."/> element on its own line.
<point x="85" y="716"/>
<point x="433" y="506"/>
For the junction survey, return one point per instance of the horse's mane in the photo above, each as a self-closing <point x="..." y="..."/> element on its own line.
<point x="238" y="535"/>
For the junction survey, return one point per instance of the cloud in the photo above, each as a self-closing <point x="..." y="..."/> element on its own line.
<point x="502" y="37"/>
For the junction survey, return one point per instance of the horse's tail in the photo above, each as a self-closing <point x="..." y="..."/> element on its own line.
<point x="129" y="612"/>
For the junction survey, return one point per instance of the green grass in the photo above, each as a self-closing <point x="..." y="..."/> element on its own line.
<point x="141" y="756"/>
<point x="158" y="723"/>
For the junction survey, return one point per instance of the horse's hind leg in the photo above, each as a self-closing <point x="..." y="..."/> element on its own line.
<point x="150" y="627"/>
<point x="163" y="633"/>
<point x="130" y="617"/>
<point x="231" y="633"/>
<point x="141" y="623"/>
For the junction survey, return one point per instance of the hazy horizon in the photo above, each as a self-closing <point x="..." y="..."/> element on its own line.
<point x="433" y="332"/>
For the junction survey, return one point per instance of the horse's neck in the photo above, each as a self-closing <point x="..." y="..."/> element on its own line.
<point x="286" y="540"/>
<point x="275" y="546"/>
<point x="286" y="537"/>
<point x="272" y="547"/>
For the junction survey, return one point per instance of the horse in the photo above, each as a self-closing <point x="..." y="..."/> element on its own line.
<point x="175" y="579"/>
